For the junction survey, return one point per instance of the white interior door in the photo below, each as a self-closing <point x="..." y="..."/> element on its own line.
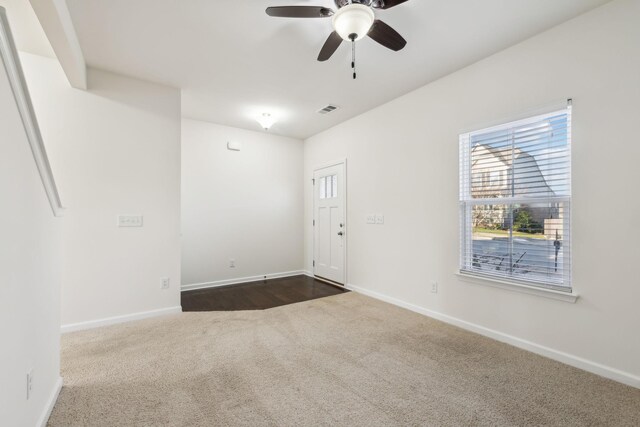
<point x="329" y="223"/>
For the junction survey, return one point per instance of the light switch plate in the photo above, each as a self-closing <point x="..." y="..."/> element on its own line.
<point x="371" y="219"/>
<point x="130" y="221"/>
<point x="379" y="219"/>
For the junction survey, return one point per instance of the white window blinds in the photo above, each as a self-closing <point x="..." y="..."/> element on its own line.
<point x="515" y="198"/>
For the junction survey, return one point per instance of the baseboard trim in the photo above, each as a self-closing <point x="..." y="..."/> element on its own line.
<point x="569" y="359"/>
<point x="51" y="402"/>
<point x="72" y="327"/>
<point x="236" y="281"/>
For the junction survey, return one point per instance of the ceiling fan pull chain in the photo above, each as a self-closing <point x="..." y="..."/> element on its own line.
<point x="353" y="57"/>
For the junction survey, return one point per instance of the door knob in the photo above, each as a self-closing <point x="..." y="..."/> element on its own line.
<point x="340" y="233"/>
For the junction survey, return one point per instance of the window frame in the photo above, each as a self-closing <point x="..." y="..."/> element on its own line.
<point x="466" y="203"/>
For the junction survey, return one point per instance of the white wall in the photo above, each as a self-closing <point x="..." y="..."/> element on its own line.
<point x="29" y="276"/>
<point x="245" y="205"/>
<point x="115" y="149"/>
<point x="403" y="162"/>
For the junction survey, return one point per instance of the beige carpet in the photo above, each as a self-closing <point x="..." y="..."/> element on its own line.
<point x="343" y="360"/>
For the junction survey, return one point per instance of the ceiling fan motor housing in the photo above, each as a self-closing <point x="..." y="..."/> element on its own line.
<point x="374" y="3"/>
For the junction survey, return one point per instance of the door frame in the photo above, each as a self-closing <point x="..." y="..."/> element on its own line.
<point x="337" y="162"/>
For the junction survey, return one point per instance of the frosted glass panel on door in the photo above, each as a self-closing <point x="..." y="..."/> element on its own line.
<point x="329" y="187"/>
<point x="323" y="188"/>
<point x="334" y="186"/>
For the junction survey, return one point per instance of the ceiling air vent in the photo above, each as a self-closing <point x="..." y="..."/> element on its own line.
<point x="328" y="109"/>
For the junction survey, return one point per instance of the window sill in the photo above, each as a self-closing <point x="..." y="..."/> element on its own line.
<point x="570" y="297"/>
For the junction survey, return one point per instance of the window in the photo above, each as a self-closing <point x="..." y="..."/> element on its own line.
<point x="329" y="187"/>
<point x="495" y="177"/>
<point x="515" y="197"/>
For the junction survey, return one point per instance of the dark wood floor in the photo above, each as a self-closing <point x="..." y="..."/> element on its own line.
<point x="258" y="295"/>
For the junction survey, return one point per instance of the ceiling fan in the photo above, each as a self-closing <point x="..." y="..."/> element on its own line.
<point x="354" y="20"/>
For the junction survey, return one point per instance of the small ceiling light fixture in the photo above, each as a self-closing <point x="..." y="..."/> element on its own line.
<point x="266" y="120"/>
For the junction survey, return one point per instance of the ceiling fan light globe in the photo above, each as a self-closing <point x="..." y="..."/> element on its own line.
<point x="353" y="19"/>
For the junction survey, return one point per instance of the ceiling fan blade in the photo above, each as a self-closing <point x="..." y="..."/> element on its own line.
<point x="388" y="4"/>
<point x="386" y="36"/>
<point x="330" y="46"/>
<point x="299" y="11"/>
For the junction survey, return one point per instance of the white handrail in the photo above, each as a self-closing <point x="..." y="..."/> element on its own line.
<point x="11" y="61"/>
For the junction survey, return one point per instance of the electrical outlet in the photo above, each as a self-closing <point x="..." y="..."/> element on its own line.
<point x="434" y="287"/>
<point x="232" y="263"/>
<point x="164" y="283"/>
<point x="379" y="219"/>
<point x="29" y="383"/>
<point x="371" y="219"/>
<point x="130" y="220"/>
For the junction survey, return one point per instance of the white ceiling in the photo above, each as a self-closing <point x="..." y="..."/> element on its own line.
<point x="234" y="62"/>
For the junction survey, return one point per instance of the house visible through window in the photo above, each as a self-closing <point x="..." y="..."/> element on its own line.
<point x="515" y="196"/>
